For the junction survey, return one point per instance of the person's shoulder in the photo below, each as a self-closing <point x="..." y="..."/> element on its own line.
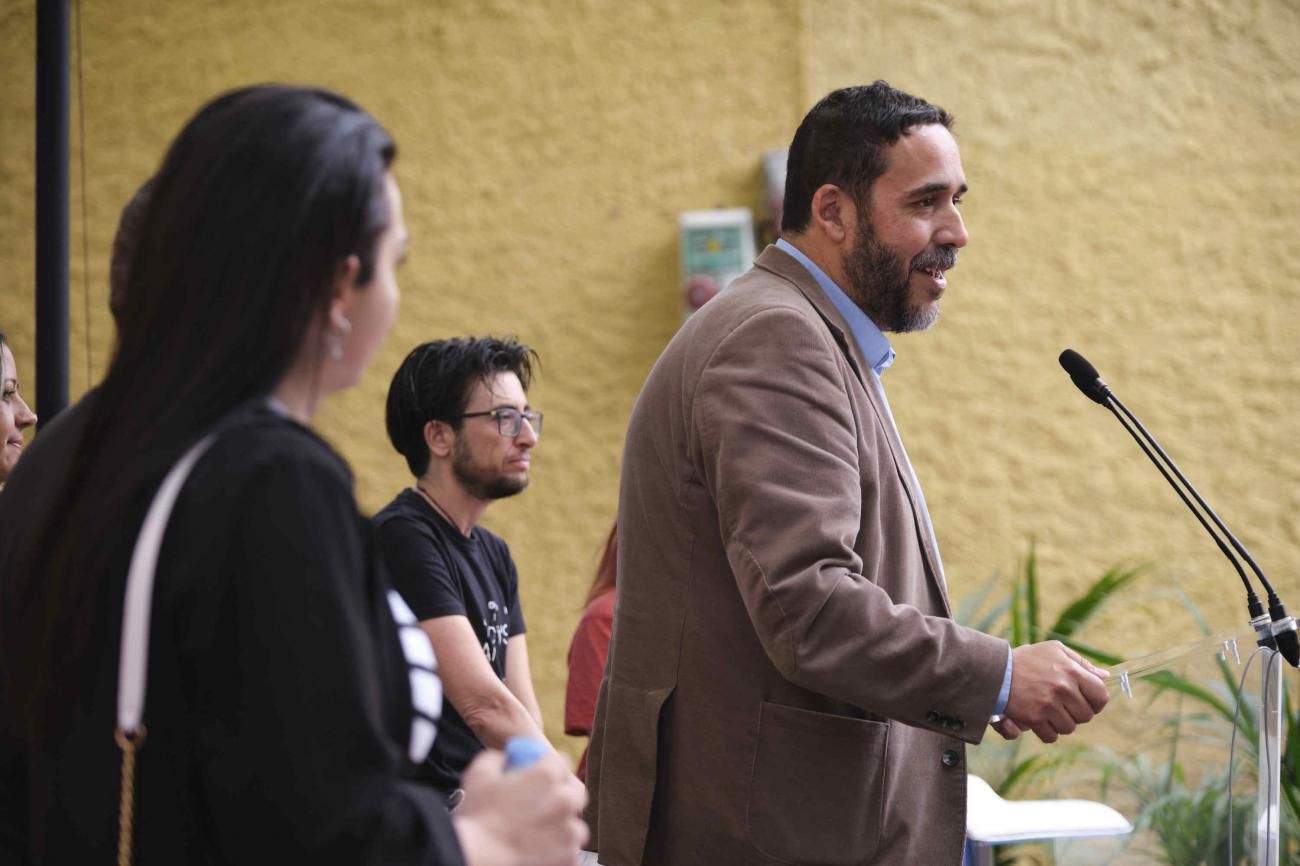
<point x="41" y="472"/>
<point x="760" y="307"/>
<point x="406" y="523"/>
<point x="492" y="542"/>
<point x="756" y="291"/>
<point x="48" y="457"/>
<point x="603" y="604"/>
<point x="402" y="509"/>
<point x="600" y="608"/>
<point x="258" y="440"/>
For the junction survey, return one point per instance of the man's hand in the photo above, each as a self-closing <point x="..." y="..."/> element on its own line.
<point x="1007" y="728"/>
<point x="528" y="817"/>
<point x="1053" y="691"/>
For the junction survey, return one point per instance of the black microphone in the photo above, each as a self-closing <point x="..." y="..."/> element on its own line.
<point x="1087" y="380"/>
<point x="1282" y="635"/>
<point x="1085" y="376"/>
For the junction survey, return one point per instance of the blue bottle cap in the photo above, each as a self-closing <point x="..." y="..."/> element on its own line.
<point x="523" y="752"/>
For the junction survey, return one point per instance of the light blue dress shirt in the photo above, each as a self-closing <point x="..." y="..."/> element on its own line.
<point x="879" y="354"/>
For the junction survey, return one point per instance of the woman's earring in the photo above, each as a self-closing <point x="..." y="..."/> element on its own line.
<point x="334" y="339"/>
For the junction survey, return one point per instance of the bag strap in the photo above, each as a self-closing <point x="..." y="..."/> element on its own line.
<point x="133" y="666"/>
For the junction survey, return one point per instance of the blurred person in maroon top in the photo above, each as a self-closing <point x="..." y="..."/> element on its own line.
<point x="589" y="647"/>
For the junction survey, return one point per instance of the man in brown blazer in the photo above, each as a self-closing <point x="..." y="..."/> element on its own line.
<point x="785" y="683"/>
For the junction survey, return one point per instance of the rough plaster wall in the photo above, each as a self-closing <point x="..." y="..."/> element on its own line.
<point x="1133" y="192"/>
<point x="1134" y="182"/>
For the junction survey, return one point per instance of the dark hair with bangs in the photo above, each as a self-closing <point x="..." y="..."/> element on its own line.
<point x="434" y="384"/>
<point x="258" y="203"/>
<point x="842" y="141"/>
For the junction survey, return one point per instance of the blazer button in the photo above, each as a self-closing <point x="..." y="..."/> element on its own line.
<point x="932" y="717"/>
<point x="951" y="758"/>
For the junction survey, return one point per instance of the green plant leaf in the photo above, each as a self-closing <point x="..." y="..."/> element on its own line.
<point x="970" y="609"/>
<point x="1169" y="681"/>
<point x="1086" y="606"/>
<point x="990" y="620"/>
<point x="1183" y="811"/>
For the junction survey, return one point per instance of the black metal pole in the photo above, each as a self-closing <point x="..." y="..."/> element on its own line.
<point x="52" y="113"/>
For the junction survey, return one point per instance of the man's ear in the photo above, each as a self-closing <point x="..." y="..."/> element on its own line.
<point x="439" y="437"/>
<point x="344" y="293"/>
<point x="834" y="212"/>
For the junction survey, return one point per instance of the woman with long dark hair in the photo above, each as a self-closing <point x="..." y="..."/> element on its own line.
<point x="278" y="721"/>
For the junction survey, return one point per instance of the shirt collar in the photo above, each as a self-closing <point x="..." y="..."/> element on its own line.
<point x="870" y="339"/>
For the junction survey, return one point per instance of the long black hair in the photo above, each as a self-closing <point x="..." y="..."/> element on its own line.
<point x="258" y="203"/>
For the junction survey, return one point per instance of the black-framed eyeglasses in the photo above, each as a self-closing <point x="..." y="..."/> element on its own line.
<point x="510" y="421"/>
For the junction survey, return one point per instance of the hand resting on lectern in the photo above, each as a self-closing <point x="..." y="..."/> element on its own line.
<point x="1053" y="691"/>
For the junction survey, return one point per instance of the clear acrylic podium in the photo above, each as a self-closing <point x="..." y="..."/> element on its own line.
<point x="1163" y="754"/>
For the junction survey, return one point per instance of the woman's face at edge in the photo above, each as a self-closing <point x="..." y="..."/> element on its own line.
<point x="15" y="415"/>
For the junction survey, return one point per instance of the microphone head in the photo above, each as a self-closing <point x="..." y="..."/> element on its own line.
<point x="1085" y="376"/>
<point x="1288" y="644"/>
<point x="1284" y="631"/>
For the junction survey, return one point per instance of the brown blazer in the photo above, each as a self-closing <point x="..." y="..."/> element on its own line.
<point x="785" y="683"/>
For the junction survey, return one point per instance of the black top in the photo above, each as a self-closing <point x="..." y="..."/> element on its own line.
<point x="442" y="573"/>
<point x="278" y="706"/>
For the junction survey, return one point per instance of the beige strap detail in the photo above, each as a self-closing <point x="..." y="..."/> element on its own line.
<point x="129" y="744"/>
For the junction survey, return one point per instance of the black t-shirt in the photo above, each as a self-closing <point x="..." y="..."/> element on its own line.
<point x="442" y="573"/>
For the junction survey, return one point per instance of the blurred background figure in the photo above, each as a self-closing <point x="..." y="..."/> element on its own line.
<point x="59" y="449"/>
<point x="125" y="242"/>
<point x="15" y="415"/>
<point x="589" y="647"/>
<point x="285" y="709"/>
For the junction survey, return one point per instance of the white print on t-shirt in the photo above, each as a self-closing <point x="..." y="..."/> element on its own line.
<point x="497" y="630"/>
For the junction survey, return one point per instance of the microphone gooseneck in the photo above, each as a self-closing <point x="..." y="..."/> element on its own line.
<point x="1283" y="634"/>
<point x="1087" y="380"/>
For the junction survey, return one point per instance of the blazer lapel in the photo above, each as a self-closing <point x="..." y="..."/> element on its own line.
<point x="776" y="261"/>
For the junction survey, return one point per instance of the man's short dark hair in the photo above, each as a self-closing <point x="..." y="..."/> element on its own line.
<point x="842" y="141"/>
<point x="434" y="384"/>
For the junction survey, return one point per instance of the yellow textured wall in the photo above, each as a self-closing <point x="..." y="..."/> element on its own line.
<point x="1135" y="191"/>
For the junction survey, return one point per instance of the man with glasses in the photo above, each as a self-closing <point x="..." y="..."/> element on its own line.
<point x="458" y="412"/>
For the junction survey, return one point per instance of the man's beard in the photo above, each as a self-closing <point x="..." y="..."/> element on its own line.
<point x="878" y="282"/>
<point x="482" y="482"/>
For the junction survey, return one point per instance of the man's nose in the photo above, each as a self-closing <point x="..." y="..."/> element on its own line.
<point x="953" y="232"/>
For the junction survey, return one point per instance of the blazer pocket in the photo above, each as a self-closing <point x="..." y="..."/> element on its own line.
<point x="817" y="790"/>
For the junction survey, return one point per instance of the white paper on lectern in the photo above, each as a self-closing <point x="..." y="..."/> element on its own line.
<point x="991" y="819"/>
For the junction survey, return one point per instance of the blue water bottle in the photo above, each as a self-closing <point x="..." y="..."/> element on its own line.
<point x="522" y="752"/>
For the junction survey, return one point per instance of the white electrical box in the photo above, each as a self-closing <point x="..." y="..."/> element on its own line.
<point x="716" y="247"/>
